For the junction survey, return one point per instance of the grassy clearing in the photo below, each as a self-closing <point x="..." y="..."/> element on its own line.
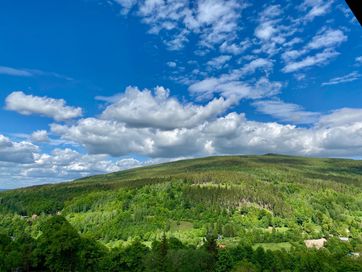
<point x="273" y="246"/>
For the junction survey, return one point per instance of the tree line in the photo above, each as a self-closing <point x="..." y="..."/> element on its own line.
<point x="60" y="247"/>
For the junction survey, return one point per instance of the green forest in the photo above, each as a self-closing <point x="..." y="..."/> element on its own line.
<point x="227" y="213"/>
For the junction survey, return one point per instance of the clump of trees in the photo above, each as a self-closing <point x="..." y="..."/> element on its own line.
<point x="60" y="247"/>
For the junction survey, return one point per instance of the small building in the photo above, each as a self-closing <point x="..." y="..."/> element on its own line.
<point x="316" y="243"/>
<point x="344" y="239"/>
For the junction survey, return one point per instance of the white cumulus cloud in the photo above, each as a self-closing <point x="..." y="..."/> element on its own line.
<point x="16" y="152"/>
<point x="39" y="136"/>
<point x="44" y="106"/>
<point x="157" y="109"/>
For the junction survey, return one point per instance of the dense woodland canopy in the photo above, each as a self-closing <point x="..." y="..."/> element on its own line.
<point x="246" y="213"/>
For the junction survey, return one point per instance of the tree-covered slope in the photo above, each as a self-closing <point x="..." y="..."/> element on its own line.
<point x="157" y="218"/>
<point x="273" y="198"/>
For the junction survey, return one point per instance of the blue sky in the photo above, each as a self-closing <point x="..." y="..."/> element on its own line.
<point x="93" y="86"/>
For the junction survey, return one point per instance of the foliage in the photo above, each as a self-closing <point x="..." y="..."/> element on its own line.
<point x="157" y="218"/>
<point x="63" y="249"/>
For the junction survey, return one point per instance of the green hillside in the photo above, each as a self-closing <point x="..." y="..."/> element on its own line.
<point x="271" y="201"/>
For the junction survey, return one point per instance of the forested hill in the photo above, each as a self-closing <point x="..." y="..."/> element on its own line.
<point x="268" y="180"/>
<point x="271" y="201"/>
